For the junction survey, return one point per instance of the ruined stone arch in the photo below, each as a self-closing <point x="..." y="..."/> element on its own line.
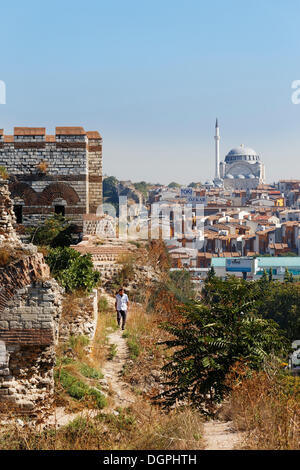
<point x="59" y="191"/>
<point x="25" y="192"/>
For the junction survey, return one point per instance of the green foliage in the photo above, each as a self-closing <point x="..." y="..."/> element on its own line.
<point x="55" y="231"/>
<point x="213" y="335"/>
<point x="143" y="188"/>
<point x="78" y="389"/>
<point x="72" y="270"/>
<point x="211" y="274"/>
<point x="181" y="285"/>
<point x="80" y="341"/>
<point x="281" y="303"/>
<point x="173" y="184"/>
<point x="3" y="173"/>
<point x="110" y="191"/>
<point x="103" y="305"/>
<point x="270" y="274"/>
<point x="112" y="352"/>
<point x="288" y="277"/>
<point x="133" y="346"/>
<point x="90" y="372"/>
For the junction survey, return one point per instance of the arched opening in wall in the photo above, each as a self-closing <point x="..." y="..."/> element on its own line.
<point x="59" y="210"/>
<point x="59" y="205"/>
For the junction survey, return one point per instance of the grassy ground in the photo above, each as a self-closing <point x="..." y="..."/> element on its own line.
<point x="143" y="428"/>
<point x="266" y="406"/>
<point x="78" y="375"/>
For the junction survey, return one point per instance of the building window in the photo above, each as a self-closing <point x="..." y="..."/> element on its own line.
<point x="59" y="210"/>
<point x="18" y="210"/>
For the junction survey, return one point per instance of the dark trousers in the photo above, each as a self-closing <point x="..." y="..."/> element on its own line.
<point x="121" y="314"/>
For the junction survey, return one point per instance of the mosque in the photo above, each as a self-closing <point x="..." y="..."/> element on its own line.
<point x="241" y="169"/>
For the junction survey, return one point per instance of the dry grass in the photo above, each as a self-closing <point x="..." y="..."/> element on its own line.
<point x="106" y="324"/>
<point x="144" y="428"/>
<point x="42" y="167"/>
<point x="266" y="405"/>
<point x="143" y="335"/>
<point x="5" y="256"/>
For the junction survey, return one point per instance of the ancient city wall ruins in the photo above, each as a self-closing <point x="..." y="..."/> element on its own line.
<point x="30" y="309"/>
<point x="49" y="174"/>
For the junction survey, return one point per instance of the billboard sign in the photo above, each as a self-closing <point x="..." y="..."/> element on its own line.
<point x="197" y="200"/>
<point x="239" y="265"/>
<point x="185" y="192"/>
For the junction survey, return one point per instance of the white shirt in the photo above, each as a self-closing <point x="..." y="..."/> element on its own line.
<point x="122" y="301"/>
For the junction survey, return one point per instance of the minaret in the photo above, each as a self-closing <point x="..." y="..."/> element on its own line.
<point x="217" y="140"/>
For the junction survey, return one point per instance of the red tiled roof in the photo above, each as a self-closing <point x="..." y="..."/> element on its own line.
<point x="93" y="135"/>
<point x="29" y="131"/>
<point x="70" y="131"/>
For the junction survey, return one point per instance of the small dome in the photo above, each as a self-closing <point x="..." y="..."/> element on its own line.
<point x="229" y="176"/>
<point x="241" y="177"/>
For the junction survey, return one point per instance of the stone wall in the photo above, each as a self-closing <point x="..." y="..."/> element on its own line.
<point x="79" y="316"/>
<point x="45" y="171"/>
<point x="30" y="309"/>
<point x="28" y="334"/>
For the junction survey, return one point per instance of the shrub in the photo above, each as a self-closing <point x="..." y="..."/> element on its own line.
<point x="103" y="305"/>
<point x="72" y="270"/>
<point x="90" y="372"/>
<point x="3" y="173"/>
<point x="78" y="389"/>
<point x="210" y="337"/>
<point x="5" y="256"/>
<point x="266" y="405"/>
<point x="54" y="231"/>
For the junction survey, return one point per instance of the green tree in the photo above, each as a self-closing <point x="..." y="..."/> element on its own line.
<point x="3" y="173"/>
<point x="281" y="303"/>
<point x="110" y="190"/>
<point x="72" y="270"/>
<point x="270" y="274"/>
<point x="211" y="274"/>
<point x="214" y="335"/>
<point x="288" y="277"/>
<point x="173" y="184"/>
<point x="54" y="231"/>
<point x="143" y="188"/>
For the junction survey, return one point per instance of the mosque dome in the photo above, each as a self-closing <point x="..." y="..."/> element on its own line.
<point x="242" y="153"/>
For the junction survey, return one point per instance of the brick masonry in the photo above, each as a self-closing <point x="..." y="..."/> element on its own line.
<point x="30" y="310"/>
<point x="45" y="171"/>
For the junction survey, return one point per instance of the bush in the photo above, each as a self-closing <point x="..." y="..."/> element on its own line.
<point x="103" y="305"/>
<point x="78" y="389"/>
<point x="72" y="270"/>
<point x="3" y="173"/>
<point x="54" y="231"/>
<point x="90" y="373"/>
<point x="213" y="335"/>
<point x="266" y="404"/>
<point x="5" y="256"/>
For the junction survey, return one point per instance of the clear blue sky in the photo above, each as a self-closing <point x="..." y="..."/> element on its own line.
<point x="152" y="76"/>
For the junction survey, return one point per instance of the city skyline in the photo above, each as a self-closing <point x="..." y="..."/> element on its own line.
<point x="152" y="78"/>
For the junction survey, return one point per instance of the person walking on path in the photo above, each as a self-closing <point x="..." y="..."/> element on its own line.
<point x="121" y="306"/>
